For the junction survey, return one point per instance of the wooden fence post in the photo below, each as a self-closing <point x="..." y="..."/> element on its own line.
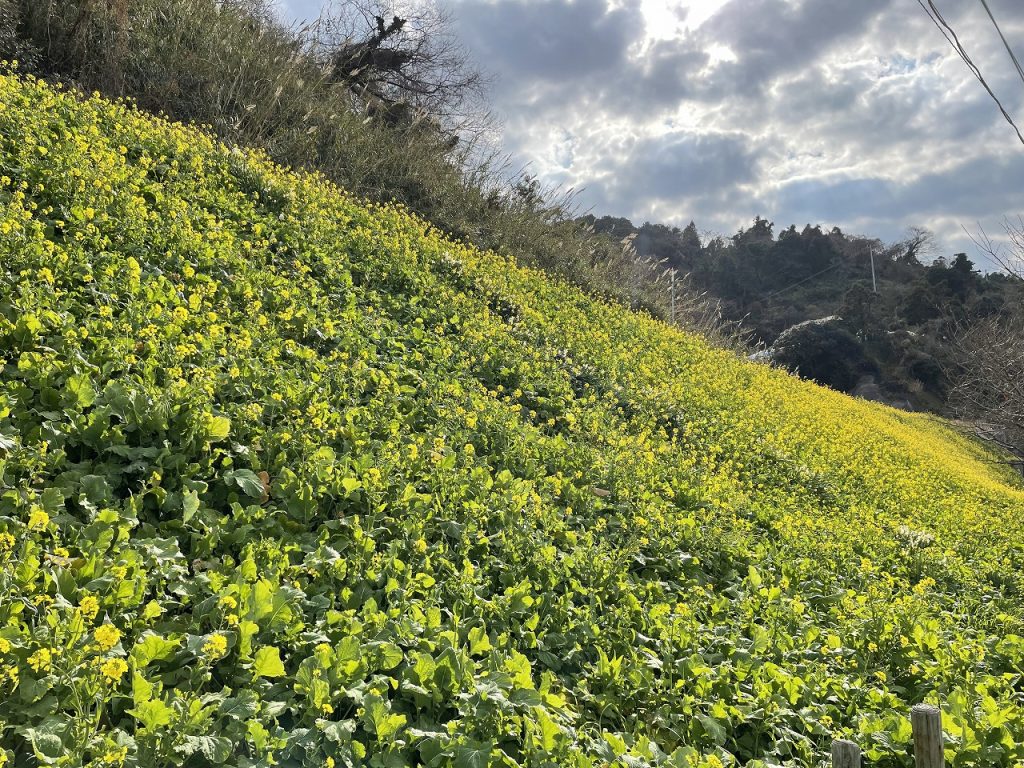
<point x="926" y="721"/>
<point x="845" y="754"/>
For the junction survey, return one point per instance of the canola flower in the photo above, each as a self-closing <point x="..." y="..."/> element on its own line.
<point x="38" y="519"/>
<point x="216" y="646"/>
<point x="113" y="670"/>
<point x="89" y="606"/>
<point x="515" y="519"/>
<point x="40" y="660"/>
<point x="107" y="636"/>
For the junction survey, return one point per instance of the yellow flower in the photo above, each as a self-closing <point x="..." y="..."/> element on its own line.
<point x="119" y="571"/>
<point x="229" y="602"/>
<point x="216" y="646"/>
<point x="115" y="756"/>
<point x="40" y="660"/>
<point x="38" y="519"/>
<point x="6" y="542"/>
<point x="232" y="619"/>
<point x="4" y="645"/>
<point x="107" y="636"/>
<point x="89" y="606"/>
<point x="113" y="670"/>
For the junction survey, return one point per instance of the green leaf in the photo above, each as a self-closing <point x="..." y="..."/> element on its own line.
<point x="473" y="754"/>
<point x="47" y="745"/>
<point x="390" y="656"/>
<point x="216" y="749"/>
<point x="753" y="576"/>
<point x="142" y="689"/>
<point x="547" y="731"/>
<point x="338" y="731"/>
<point x="190" y="505"/>
<point x="240" y="707"/>
<point x="479" y="642"/>
<point x="379" y="720"/>
<point x="247" y="480"/>
<point x="246" y="631"/>
<point x="268" y="662"/>
<point x="152" y="713"/>
<point x="218" y="428"/>
<point x="81" y="390"/>
<point x="713" y="728"/>
<point x="152" y="647"/>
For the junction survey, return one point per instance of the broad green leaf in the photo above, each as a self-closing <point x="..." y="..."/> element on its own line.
<point x="379" y="719"/>
<point x="45" y="743"/>
<point x="246" y="631"/>
<point x="240" y="707"/>
<point x="142" y="689"/>
<point x="190" y="505"/>
<point x="479" y="642"/>
<point x="216" y="749"/>
<point x="152" y="713"/>
<point x="152" y="647"/>
<point x="389" y="656"/>
<point x="81" y="390"/>
<point x="247" y="480"/>
<point x="218" y="427"/>
<point x="268" y="662"/>
<point x="338" y="731"/>
<point x="473" y="754"/>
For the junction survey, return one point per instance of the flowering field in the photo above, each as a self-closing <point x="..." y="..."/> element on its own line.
<point x="289" y="480"/>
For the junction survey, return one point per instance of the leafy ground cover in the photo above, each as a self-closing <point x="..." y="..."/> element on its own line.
<point x="288" y="479"/>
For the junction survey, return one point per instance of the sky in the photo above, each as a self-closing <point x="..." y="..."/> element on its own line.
<point x="849" y="113"/>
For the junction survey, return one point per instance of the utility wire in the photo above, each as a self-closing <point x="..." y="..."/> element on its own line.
<point x="801" y="282"/>
<point x="951" y="37"/>
<point x="1009" y="50"/>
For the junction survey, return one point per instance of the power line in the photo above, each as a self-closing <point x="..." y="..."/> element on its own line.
<point x="951" y="37"/>
<point x="801" y="282"/>
<point x="1009" y="50"/>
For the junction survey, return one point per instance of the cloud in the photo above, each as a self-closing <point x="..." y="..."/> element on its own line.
<point x="854" y="114"/>
<point x="537" y="42"/>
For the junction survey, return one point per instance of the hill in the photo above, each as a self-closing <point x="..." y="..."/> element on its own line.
<point x="895" y="318"/>
<point x="292" y="479"/>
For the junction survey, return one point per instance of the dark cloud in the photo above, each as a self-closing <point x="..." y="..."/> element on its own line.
<point x="841" y="112"/>
<point x="680" y="167"/>
<point x="774" y="37"/>
<point x="526" y="42"/>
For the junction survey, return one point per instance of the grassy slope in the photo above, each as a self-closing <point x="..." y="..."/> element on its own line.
<point x="499" y="523"/>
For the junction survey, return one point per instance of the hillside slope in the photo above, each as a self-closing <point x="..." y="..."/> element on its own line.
<point x="291" y="480"/>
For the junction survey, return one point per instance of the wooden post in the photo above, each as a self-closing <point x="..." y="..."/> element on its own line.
<point x="845" y="754"/>
<point x="926" y="721"/>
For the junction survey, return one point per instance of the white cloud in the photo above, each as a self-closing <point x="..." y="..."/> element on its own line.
<point x="854" y="114"/>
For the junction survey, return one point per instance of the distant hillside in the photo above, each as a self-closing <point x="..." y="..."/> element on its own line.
<point x="290" y="479"/>
<point x="896" y="334"/>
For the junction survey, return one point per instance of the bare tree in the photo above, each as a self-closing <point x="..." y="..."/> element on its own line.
<point x="988" y="379"/>
<point x="1008" y="254"/>
<point x="403" y="64"/>
<point x="919" y="242"/>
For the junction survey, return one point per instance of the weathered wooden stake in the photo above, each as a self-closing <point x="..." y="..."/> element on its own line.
<point x="845" y="754"/>
<point x="926" y="721"/>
